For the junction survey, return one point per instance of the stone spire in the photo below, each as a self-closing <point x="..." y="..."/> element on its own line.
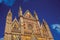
<point x="20" y="15"/>
<point x="9" y="16"/>
<point x="8" y="21"/>
<point x="20" y="12"/>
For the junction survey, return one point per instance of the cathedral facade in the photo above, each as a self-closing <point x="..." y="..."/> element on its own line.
<point x="26" y="27"/>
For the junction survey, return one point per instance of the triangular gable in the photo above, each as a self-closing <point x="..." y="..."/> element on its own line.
<point x="15" y="26"/>
<point x="15" y="22"/>
<point x="28" y="14"/>
<point x="46" y="29"/>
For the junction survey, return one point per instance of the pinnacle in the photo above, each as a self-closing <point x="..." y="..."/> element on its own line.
<point x="9" y="11"/>
<point x="20" y="8"/>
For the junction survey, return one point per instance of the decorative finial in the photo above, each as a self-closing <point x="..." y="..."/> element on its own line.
<point x="9" y="11"/>
<point x="44" y="21"/>
<point x="20" y="8"/>
<point x="20" y="11"/>
<point x="34" y="12"/>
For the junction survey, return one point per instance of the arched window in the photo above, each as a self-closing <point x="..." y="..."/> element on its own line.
<point x="30" y="27"/>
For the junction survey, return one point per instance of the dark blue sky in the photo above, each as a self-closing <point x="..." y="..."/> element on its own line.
<point x="47" y="9"/>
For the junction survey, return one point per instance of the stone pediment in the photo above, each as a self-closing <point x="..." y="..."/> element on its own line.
<point x="28" y="15"/>
<point x="15" y="22"/>
<point x="15" y="26"/>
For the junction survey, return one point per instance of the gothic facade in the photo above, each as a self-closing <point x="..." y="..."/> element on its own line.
<point x="26" y="27"/>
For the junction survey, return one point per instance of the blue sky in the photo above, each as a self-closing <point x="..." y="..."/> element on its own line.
<point x="47" y="9"/>
<point x="0" y="1"/>
<point x="7" y="2"/>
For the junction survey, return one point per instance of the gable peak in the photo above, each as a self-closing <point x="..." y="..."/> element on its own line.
<point x="28" y="14"/>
